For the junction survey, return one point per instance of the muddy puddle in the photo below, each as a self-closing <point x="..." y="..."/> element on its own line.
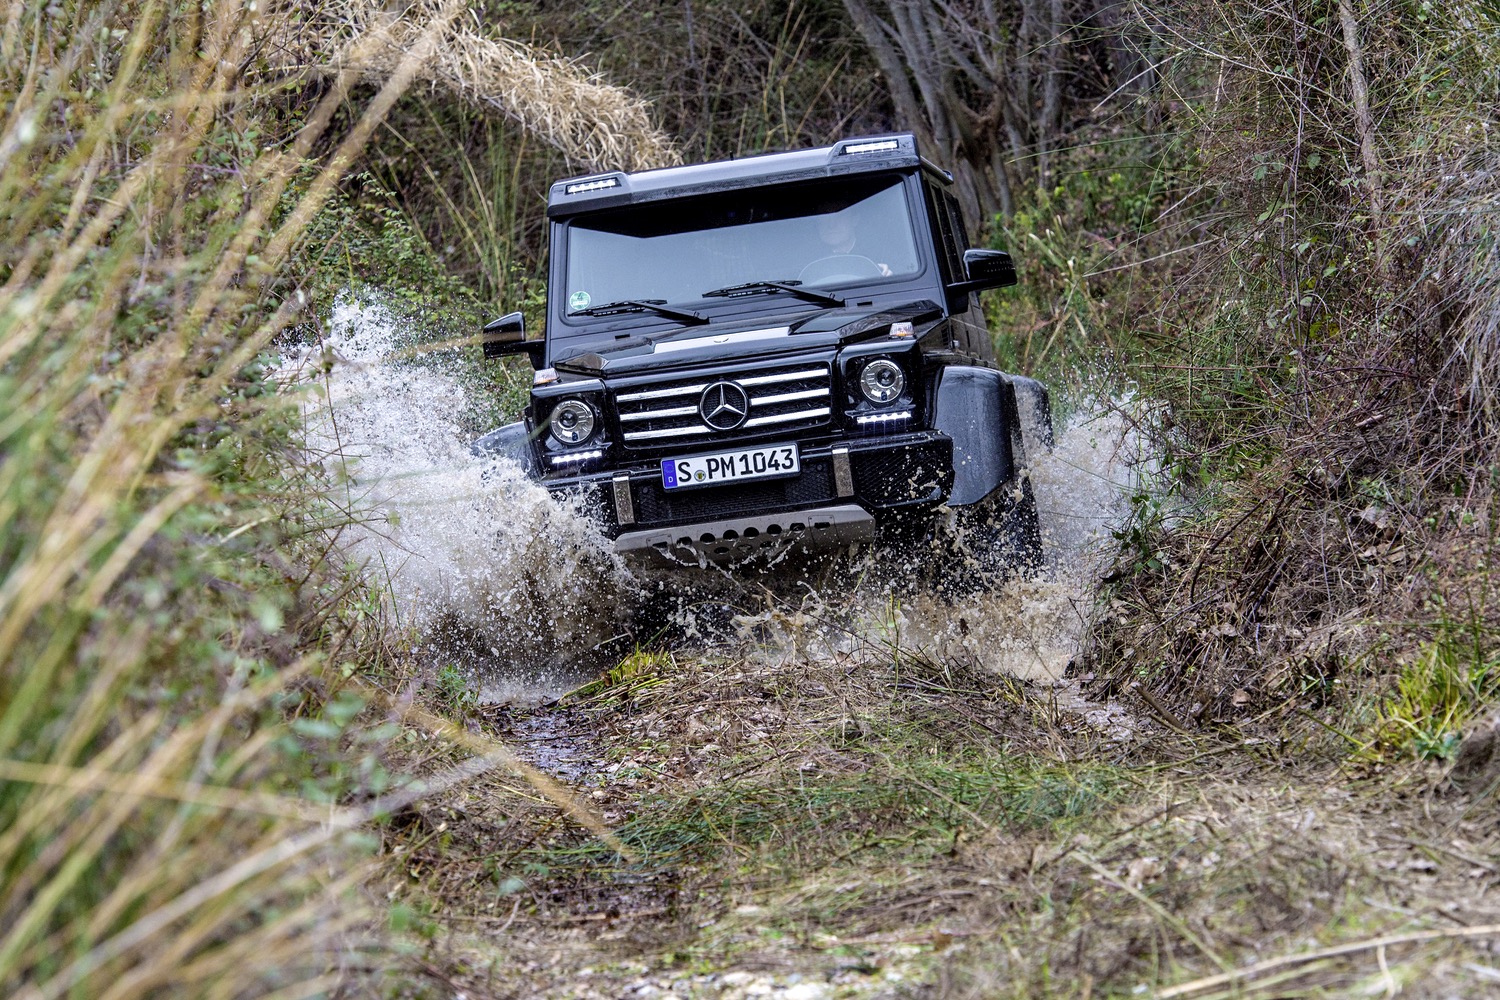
<point x="559" y="743"/>
<point x="520" y="596"/>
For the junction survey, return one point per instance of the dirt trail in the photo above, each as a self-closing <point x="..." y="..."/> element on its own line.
<point x="822" y="812"/>
<point x="848" y="826"/>
<point x="831" y="790"/>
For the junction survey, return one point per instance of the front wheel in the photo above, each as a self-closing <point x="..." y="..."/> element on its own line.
<point x="961" y="550"/>
<point x="990" y="542"/>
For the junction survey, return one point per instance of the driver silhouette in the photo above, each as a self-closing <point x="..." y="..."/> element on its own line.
<point x="837" y="233"/>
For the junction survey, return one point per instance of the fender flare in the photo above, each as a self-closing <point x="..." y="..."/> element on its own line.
<point x="512" y="441"/>
<point x="976" y="407"/>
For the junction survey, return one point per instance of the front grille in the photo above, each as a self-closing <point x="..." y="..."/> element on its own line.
<point x="656" y="505"/>
<point x="665" y="414"/>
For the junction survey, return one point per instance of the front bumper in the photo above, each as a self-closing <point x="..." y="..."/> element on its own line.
<point x="739" y="540"/>
<point x="843" y="488"/>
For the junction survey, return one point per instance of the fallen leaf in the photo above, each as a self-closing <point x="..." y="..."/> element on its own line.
<point x="1141" y="871"/>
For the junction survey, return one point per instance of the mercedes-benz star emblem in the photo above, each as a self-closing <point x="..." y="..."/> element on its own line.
<point x="724" y="406"/>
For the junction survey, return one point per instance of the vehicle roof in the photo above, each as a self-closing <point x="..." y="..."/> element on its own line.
<point x="864" y="154"/>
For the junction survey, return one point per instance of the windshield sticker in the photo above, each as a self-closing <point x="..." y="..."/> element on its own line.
<point x="579" y="301"/>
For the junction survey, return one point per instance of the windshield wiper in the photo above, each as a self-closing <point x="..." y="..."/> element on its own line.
<point x="657" y="306"/>
<point x="751" y="287"/>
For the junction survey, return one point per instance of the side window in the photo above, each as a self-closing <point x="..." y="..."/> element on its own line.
<point x="960" y="232"/>
<point x="948" y="232"/>
<point x="960" y="244"/>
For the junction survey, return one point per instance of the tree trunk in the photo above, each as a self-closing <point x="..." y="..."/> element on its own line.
<point x="877" y="34"/>
<point x="1049" y="121"/>
<point x="984" y="83"/>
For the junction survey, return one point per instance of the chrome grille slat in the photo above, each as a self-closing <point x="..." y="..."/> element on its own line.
<point x="786" y="397"/>
<point x="782" y="377"/>
<point x="681" y="390"/>
<point x="675" y="411"/>
<point x="782" y="418"/>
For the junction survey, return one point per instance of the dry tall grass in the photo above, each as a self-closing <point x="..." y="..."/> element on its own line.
<point x="1329" y="349"/>
<point x="160" y="833"/>
<point x="595" y="124"/>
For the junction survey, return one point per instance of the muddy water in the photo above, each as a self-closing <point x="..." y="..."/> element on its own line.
<point x="1032" y="628"/>
<point x="520" y="593"/>
<point x="1027" y="628"/>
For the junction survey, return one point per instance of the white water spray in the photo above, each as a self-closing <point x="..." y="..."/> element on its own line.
<point x="494" y="575"/>
<point x="489" y="572"/>
<point x="1030" y="629"/>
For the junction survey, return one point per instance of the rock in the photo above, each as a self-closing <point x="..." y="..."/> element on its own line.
<point x="1476" y="766"/>
<point x="804" y="991"/>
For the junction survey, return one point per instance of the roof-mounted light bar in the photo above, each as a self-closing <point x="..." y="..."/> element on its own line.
<point x="597" y="184"/>
<point x="877" y="146"/>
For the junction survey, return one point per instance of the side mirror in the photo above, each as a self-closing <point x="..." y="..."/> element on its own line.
<point x="985" y="269"/>
<point x="507" y="335"/>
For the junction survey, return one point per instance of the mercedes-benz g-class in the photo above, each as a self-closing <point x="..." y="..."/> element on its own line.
<point x="777" y="351"/>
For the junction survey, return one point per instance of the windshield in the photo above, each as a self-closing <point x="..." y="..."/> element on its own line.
<point x="821" y="234"/>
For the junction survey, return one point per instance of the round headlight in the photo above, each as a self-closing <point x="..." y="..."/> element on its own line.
<point x="882" y="381"/>
<point x="572" y="422"/>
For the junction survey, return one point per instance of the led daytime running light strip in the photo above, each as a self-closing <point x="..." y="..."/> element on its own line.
<point x="876" y="418"/>
<point x="879" y="146"/>
<point x="577" y="456"/>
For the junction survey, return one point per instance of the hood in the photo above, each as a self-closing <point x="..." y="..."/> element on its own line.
<point x="726" y="341"/>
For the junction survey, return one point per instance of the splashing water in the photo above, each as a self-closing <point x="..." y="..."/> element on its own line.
<point x="489" y="571"/>
<point x="1032" y="629"/>
<point x="494" y="575"/>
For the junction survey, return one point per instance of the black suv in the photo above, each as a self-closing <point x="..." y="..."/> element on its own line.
<point x="782" y="350"/>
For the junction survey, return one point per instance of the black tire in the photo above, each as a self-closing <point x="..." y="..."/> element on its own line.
<point x="988" y="543"/>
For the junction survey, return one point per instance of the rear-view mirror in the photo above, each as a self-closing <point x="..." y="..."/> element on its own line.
<point x="985" y="269"/>
<point x="507" y="335"/>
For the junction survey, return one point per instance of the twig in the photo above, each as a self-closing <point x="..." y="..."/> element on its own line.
<point x="1424" y="845"/>
<point x="1161" y="912"/>
<point x="1112" y="840"/>
<point x="1364" y="124"/>
<point x="1272" y="964"/>
<point x="1148" y="260"/>
<point x="1358" y="744"/>
<point x="588" y="918"/>
<point x="1160" y="709"/>
<point x="487" y="918"/>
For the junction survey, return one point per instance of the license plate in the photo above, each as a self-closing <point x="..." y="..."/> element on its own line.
<point x="771" y="462"/>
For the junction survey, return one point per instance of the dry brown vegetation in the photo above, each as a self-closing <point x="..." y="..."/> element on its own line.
<point x="596" y="125"/>
<point x="1329" y="437"/>
<point x="1281" y="233"/>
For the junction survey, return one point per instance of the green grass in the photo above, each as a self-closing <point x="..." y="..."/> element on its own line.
<point x="1451" y="680"/>
<point x="916" y="805"/>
